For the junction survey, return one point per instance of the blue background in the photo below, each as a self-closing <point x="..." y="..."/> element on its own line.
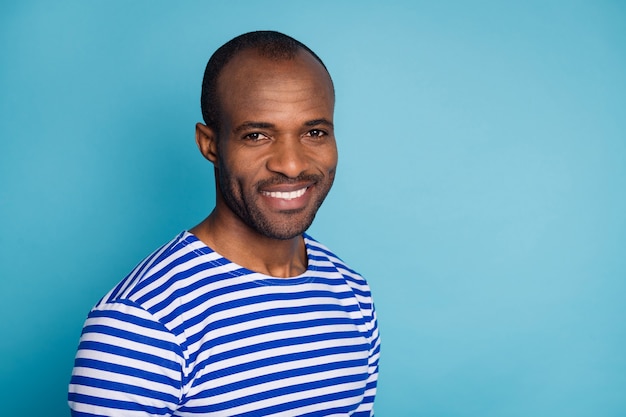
<point x="481" y="187"/>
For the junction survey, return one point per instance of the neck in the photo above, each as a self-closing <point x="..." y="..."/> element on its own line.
<point x="239" y="243"/>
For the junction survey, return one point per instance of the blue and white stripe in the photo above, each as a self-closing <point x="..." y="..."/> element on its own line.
<point x="189" y="333"/>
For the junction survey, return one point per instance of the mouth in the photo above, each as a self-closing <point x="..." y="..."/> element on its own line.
<point x="285" y="195"/>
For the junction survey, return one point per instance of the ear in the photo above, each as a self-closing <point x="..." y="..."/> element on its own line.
<point x="206" y="139"/>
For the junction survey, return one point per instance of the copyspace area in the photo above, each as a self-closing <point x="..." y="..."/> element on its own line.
<point x="481" y="188"/>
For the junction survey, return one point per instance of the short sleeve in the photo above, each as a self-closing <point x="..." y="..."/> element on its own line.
<point x="367" y="406"/>
<point x="127" y="364"/>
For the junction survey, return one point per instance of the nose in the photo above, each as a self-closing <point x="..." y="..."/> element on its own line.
<point x="288" y="157"/>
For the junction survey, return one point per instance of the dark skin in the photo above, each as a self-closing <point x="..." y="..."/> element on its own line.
<point x="275" y="158"/>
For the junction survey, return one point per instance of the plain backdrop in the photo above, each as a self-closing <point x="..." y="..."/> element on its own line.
<point x="481" y="187"/>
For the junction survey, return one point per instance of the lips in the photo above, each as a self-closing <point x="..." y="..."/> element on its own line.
<point x="288" y="195"/>
<point x="285" y="195"/>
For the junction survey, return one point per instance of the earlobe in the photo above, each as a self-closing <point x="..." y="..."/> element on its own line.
<point x="206" y="140"/>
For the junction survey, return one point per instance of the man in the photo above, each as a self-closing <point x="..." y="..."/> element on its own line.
<point x="244" y="314"/>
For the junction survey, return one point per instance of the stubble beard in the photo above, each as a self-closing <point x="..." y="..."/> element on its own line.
<point x="290" y="223"/>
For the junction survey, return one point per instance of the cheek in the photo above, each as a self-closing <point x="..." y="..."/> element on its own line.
<point x="329" y="159"/>
<point x="238" y="174"/>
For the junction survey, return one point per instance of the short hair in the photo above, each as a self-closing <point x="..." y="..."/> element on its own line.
<point x="270" y="44"/>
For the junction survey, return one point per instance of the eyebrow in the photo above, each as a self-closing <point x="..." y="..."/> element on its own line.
<point x="264" y="125"/>
<point x="253" y="125"/>
<point x="318" y="122"/>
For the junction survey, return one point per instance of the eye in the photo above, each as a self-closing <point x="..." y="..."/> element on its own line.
<point x="316" y="133"/>
<point x="254" y="137"/>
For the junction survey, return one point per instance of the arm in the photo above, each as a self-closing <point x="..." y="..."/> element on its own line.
<point x="367" y="406"/>
<point x="127" y="364"/>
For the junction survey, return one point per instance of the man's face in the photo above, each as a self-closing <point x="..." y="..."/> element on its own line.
<point x="276" y="151"/>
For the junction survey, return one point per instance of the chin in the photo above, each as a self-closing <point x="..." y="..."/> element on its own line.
<point x="282" y="230"/>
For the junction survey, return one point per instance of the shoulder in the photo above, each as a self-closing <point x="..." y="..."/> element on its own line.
<point x="176" y="260"/>
<point x="320" y="253"/>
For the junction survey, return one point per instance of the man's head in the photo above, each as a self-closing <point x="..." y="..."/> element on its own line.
<point x="269" y="44"/>
<point x="268" y="103"/>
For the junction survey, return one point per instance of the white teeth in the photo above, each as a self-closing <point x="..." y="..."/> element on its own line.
<point x="287" y="195"/>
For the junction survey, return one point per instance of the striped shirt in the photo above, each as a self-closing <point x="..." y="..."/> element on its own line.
<point x="190" y="333"/>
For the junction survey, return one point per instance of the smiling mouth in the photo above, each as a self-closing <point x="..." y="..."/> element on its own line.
<point x="285" y="195"/>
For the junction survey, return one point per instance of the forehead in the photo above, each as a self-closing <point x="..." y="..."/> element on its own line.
<point x="249" y="72"/>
